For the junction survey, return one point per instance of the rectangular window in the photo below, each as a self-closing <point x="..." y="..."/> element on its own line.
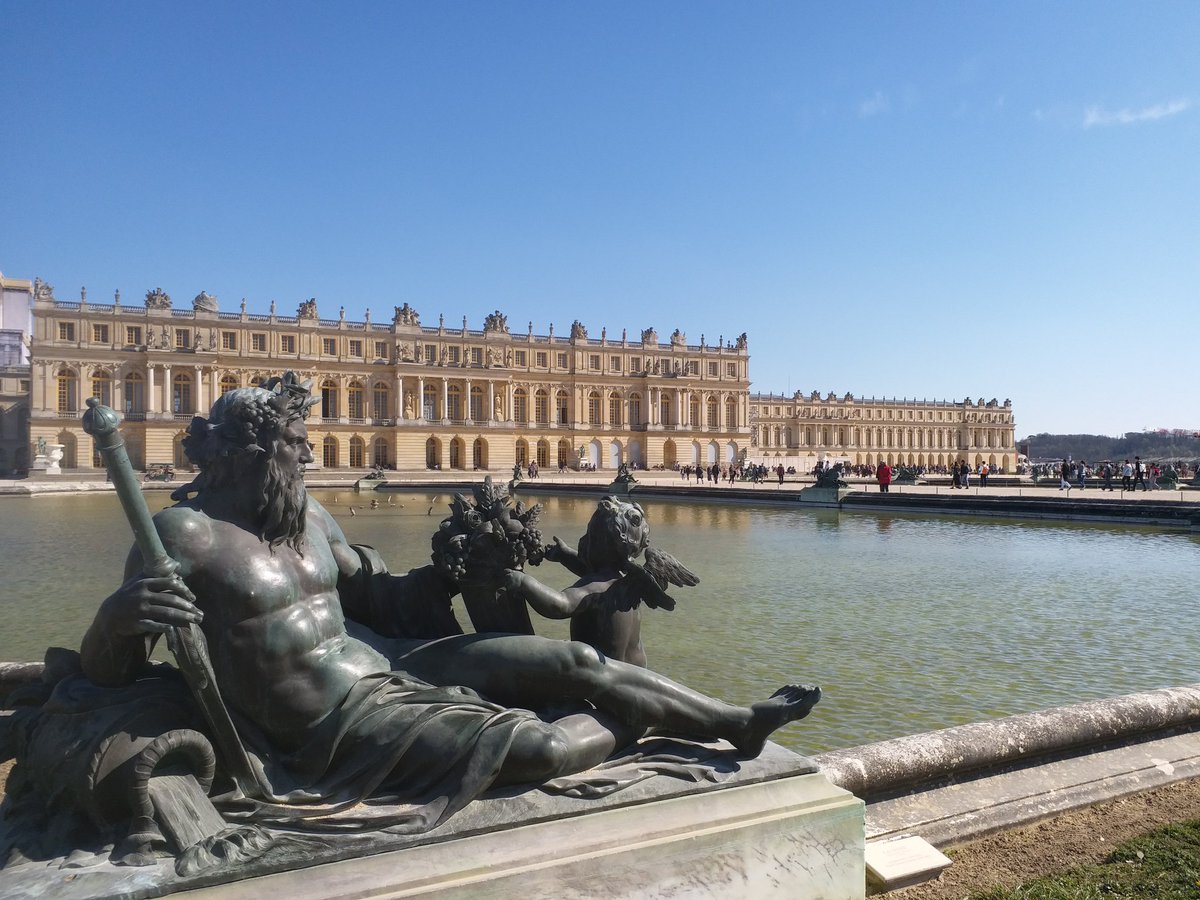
<point x="133" y="334"/>
<point x="453" y="355"/>
<point x="430" y="353"/>
<point x="520" y="358"/>
<point x="731" y="370"/>
<point x="594" y="362"/>
<point x="356" y="347"/>
<point x="381" y="351"/>
<point x="477" y="356"/>
<point x="562" y="360"/>
<point x="614" y="364"/>
<point x="329" y="346"/>
<point x="228" y="340"/>
<point x="542" y="359"/>
<point x="635" y="364"/>
<point x="66" y="331"/>
<point x="24" y="386"/>
<point x="183" y="338"/>
<point x="258" y="342"/>
<point x="713" y="370"/>
<point x="287" y="343"/>
<point x="100" y="334"/>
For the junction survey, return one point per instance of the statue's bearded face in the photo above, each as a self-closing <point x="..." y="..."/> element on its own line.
<point x="283" y="501"/>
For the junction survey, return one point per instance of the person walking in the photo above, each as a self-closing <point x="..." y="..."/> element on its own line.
<point x="984" y="471"/>
<point x="1107" y="473"/>
<point x="1064" y="476"/>
<point x="1126" y="476"/>
<point x="884" y="475"/>
<point x="1139" y="474"/>
<point x="1081" y="472"/>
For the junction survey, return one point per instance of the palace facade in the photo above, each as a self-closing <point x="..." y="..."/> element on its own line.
<point x="800" y="430"/>
<point x="394" y="393"/>
<point x="15" y="294"/>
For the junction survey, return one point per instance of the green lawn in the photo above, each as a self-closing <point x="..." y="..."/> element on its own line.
<point x="1161" y="864"/>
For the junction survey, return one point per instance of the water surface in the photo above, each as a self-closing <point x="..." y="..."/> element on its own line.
<point x="909" y="623"/>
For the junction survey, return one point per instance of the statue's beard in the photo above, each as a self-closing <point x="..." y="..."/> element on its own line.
<point x="283" y="506"/>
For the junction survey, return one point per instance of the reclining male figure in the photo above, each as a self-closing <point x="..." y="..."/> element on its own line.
<point x="266" y="571"/>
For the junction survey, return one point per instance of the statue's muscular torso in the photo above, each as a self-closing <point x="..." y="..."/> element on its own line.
<point x="272" y="618"/>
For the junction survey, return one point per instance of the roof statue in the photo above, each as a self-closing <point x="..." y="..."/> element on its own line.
<point x="496" y="322"/>
<point x="206" y="302"/>
<point x="307" y="309"/>
<point x="578" y="331"/>
<point x="406" y="315"/>
<point x="158" y="299"/>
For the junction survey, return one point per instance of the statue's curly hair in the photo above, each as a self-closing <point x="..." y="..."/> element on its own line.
<point x="609" y="540"/>
<point x="243" y="423"/>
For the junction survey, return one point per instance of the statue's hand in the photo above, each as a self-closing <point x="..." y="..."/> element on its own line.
<point x="557" y="551"/>
<point x="145" y="605"/>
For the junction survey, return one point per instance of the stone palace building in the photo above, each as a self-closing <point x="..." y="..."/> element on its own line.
<point x="800" y="430"/>
<point x="399" y="393"/>
<point x="394" y="393"/>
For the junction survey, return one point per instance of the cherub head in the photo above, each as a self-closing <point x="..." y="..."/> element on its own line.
<point x="617" y="533"/>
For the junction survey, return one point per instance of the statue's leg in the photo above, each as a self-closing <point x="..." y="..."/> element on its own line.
<point x="543" y="750"/>
<point x="531" y="671"/>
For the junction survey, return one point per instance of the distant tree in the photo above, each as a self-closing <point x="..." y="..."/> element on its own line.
<point x="1152" y="445"/>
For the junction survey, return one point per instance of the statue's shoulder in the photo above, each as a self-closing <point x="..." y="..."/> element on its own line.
<point x="184" y="528"/>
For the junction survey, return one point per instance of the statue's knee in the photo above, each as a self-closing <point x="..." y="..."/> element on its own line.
<point x="543" y="749"/>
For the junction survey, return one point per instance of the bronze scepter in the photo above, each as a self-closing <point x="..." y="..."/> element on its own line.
<point x="187" y="643"/>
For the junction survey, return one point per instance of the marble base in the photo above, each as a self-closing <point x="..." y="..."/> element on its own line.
<point x="823" y="495"/>
<point x="768" y="828"/>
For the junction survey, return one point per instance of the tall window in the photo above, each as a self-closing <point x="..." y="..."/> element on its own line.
<point x="694" y="411"/>
<point x="429" y="403"/>
<point x="614" y="408"/>
<point x="66" y="331"/>
<point x="133" y="335"/>
<point x="635" y="410"/>
<point x="102" y="387"/>
<point x="379" y="452"/>
<point x="329" y="452"/>
<point x="287" y="343"/>
<point x="68" y="391"/>
<point x="381" y="401"/>
<point x="519" y="358"/>
<point x="181" y="394"/>
<point x="730" y="415"/>
<point x="228" y="340"/>
<point x="594" y="408"/>
<point x="477" y="407"/>
<point x="541" y="407"/>
<point x="228" y="383"/>
<point x="258" y="342"/>
<point x="135" y="393"/>
<point x="329" y="346"/>
<point x="664" y="409"/>
<point x="100" y="334"/>
<point x="563" y="403"/>
<point x="381" y="352"/>
<point x="183" y="338"/>
<point x="562" y="360"/>
<point x="454" y="403"/>
<point x="520" y="406"/>
<point x="354" y="401"/>
<point x="329" y="399"/>
<point x="713" y="417"/>
<point x="358" y="453"/>
<point x="356" y="346"/>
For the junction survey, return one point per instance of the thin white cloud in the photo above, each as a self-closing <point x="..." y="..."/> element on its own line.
<point x="874" y="105"/>
<point x="1095" y="116"/>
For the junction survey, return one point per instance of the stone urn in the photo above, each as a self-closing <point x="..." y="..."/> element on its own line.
<point x="54" y="455"/>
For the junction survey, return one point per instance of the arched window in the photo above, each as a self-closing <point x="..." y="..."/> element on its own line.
<point x="381" y="401"/>
<point x="68" y="391"/>
<point x="635" y="410"/>
<point x="563" y="404"/>
<point x="454" y="409"/>
<point x="614" y="409"/>
<point x="713" y="414"/>
<point x="135" y="393"/>
<point x="429" y="404"/>
<point x="478" y="411"/>
<point x="543" y="454"/>
<point x="694" y="411"/>
<point x="102" y="387"/>
<point x="329" y="452"/>
<point x="379" y="452"/>
<point x="355" y="401"/>
<point x="594" y="408"/>
<point x="228" y="383"/>
<point x="664" y="410"/>
<point x="522" y="452"/>
<point x="541" y="409"/>
<point x="521" y="406"/>
<point x="181" y="395"/>
<point x="730" y="415"/>
<point x="358" y="450"/>
<point x="329" y="399"/>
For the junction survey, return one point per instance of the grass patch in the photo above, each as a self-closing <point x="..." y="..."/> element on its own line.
<point x="1162" y="864"/>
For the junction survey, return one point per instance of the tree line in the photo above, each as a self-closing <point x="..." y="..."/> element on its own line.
<point x="1150" y="445"/>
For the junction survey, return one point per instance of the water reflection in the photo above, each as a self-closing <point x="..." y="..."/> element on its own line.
<point x="909" y="623"/>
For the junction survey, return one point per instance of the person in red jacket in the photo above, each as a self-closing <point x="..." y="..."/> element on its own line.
<point x="884" y="475"/>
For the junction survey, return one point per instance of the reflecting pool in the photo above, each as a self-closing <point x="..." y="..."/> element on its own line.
<point x="909" y="623"/>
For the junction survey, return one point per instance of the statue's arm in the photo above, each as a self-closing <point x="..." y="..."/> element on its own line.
<point x="117" y="646"/>
<point x="567" y="557"/>
<point x="545" y="600"/>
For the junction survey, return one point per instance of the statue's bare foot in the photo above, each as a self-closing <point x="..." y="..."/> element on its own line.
<point x="788" y="704"/>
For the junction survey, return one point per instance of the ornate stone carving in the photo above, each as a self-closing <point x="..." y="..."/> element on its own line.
<point x="741" y="341"/>
<point x="578" y="331"/>
<point x="406" y="315"/>
<point x="158" y="299"/>
<point x="496" y="322"/>
<point x="206" y="302"/>
<point x="649" y="335"/>
<point x="307" y="309"/>
<point x="42" y="290"/>
<point x="678" y="338"/>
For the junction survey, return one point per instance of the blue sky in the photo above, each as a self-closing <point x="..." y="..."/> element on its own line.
<point x="926" y="200"/>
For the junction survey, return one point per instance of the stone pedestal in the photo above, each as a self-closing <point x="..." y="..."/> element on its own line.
<point x="48" y="462"/>
<point x="766" y="828"/>
<point x="823" y="495"/>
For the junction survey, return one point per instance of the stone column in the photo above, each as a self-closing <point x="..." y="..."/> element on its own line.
<point x="399" y="398"/>
<point x="445" y="398"/>
<point x="491" y="401"/>
<point x="151" y="395"/>
<point x="466" y="410"/>
<point x="198" y="404"/>
<point x="680" y="408"/>
<point x="420" y="405"/>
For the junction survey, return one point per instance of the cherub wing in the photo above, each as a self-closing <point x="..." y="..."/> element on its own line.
<point x="666" y="569"/>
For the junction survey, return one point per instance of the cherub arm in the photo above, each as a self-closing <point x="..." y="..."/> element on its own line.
<point x="546" y="600"/>
<point x="560" y="553"/>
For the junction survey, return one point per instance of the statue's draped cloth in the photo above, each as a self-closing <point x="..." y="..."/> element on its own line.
<point x="396" y="754"/>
